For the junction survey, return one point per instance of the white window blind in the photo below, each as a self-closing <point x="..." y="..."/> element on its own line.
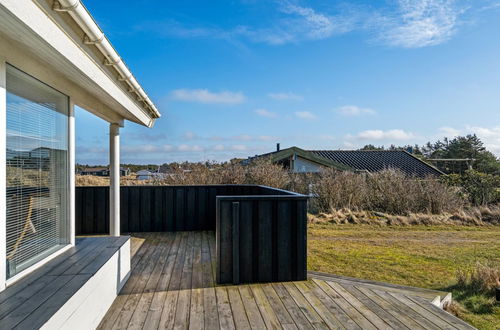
<point x="37" y="171"/>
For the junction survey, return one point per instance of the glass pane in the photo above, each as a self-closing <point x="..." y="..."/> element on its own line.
<point x="37" y="170"/>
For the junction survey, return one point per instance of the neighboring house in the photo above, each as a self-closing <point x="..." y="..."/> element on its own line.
<point x="53" y="57"/>
<point x="311" y="161"/>
<point x="96" y="171"/>
<point x="102" y="171"/>
<point x="148" y="175"/>
<point x="38" y="158"/>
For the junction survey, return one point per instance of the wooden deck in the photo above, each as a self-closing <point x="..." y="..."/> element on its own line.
<point x="172" y="286"/>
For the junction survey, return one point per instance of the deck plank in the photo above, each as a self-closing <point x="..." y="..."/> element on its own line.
<point x="253" y="313"/>
<point x="167" y="317"/>
<point x="353" y="313"/>
<point x="137" y="265"/>
<point x="139" y="316"/>
<point x="277" y="305"/>
<point x="270" y="319"/>
<point x="451" y="319"/>
<point x="133" y="297"/>
<point x="226" y="320"/>
<point x="304" y="305"/>
<point x="196" y="313"/>
<point x="156" y="307"/>
<point x="367" y="301"/>
<point x="420" y="319"/>
<point x="184" y="298"/>
<point x="293" y="309"/>
<point x="211" y="316"/>
<point x="344" y="319"/>
<point x="237" y="308"/>
<point x="390" y="308"/>
<point x="328" y="317"/>
<point x="367" y="313"/>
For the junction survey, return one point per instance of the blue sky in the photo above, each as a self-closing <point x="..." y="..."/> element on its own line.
<point x="232" y="78"/>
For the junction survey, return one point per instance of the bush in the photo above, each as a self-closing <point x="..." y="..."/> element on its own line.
<point x="479" y="188"/>
<point x="388" y="191"/>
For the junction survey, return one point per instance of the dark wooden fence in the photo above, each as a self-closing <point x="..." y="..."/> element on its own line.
<point x="260" y="231"/>
<point x="261" y="238"/>
<point x="155" y="208"/>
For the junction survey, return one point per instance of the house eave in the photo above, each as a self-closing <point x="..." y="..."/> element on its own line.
<point x="55" y="39"/>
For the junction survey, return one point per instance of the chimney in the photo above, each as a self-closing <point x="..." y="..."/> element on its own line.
<point x="277" y="147"/>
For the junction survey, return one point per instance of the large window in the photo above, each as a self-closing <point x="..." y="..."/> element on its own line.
<point x="37" y="171"/>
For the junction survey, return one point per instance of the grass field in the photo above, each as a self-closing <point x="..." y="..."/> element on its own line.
<point x="421" y="256"/>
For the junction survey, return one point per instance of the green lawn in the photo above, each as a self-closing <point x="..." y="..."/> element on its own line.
<point x="421" y="256"/>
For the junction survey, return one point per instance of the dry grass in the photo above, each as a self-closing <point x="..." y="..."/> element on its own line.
<point x="482" y="277"/>
<point x="476" y="216"/>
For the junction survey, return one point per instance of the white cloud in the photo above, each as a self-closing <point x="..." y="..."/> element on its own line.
<point x="393" y="134"/>
<point x="265" y="113"/>
<point x="285" y="96"/>
<point x="206" y="96"/>
<point x="238" y="147"/>
<point x="189" y="135"/>
<point x="419" y="23"/>
<point x="352" y="110"/>
<point x="449" y="132"/>
<point x="305" y="115"/>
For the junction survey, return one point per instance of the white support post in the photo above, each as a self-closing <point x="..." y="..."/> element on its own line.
<point x="3" y="174"/>
<point x="71" y="168"/>
<point x="114" y="176"/>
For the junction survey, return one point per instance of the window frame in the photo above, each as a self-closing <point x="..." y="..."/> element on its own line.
<point x="70" y="181"/>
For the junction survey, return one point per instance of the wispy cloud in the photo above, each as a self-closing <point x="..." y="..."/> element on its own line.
<point x="352" y="110"/>
<point x="397" y="23"/>
<point x="305" y="115"/>
<point x="265" y="113"/>
<point x="377" y="135"/>
<point x="285" y="96"/>
<point x="206" y="96"/>
<point x="419" y="23"/>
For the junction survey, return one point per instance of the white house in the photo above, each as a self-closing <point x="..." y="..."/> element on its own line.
<point x="53" y="57"/>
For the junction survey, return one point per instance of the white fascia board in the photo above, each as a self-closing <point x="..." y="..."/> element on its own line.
<point x="31" y="16"/>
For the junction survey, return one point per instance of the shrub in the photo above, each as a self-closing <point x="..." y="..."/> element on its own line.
<point x="479" y="188"/>
<point x="388" y="191"/>
<point x="481" y="278"/>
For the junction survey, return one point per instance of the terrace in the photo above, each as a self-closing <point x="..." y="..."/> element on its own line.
<point x="230" y="256"/>
<point x="234" y="256"/>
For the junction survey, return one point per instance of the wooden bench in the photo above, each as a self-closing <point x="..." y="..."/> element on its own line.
<point x="73" y="290"/>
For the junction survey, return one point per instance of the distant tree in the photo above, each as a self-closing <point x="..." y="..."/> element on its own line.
<point x="372" y="147"/>
<point x="462" y="147"/>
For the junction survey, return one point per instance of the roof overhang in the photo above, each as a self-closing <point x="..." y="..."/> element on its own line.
<point x="295" y="151"/>
<point x="52" y="46"/>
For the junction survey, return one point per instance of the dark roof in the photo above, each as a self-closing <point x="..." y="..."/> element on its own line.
<point x="378" y="160"/>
